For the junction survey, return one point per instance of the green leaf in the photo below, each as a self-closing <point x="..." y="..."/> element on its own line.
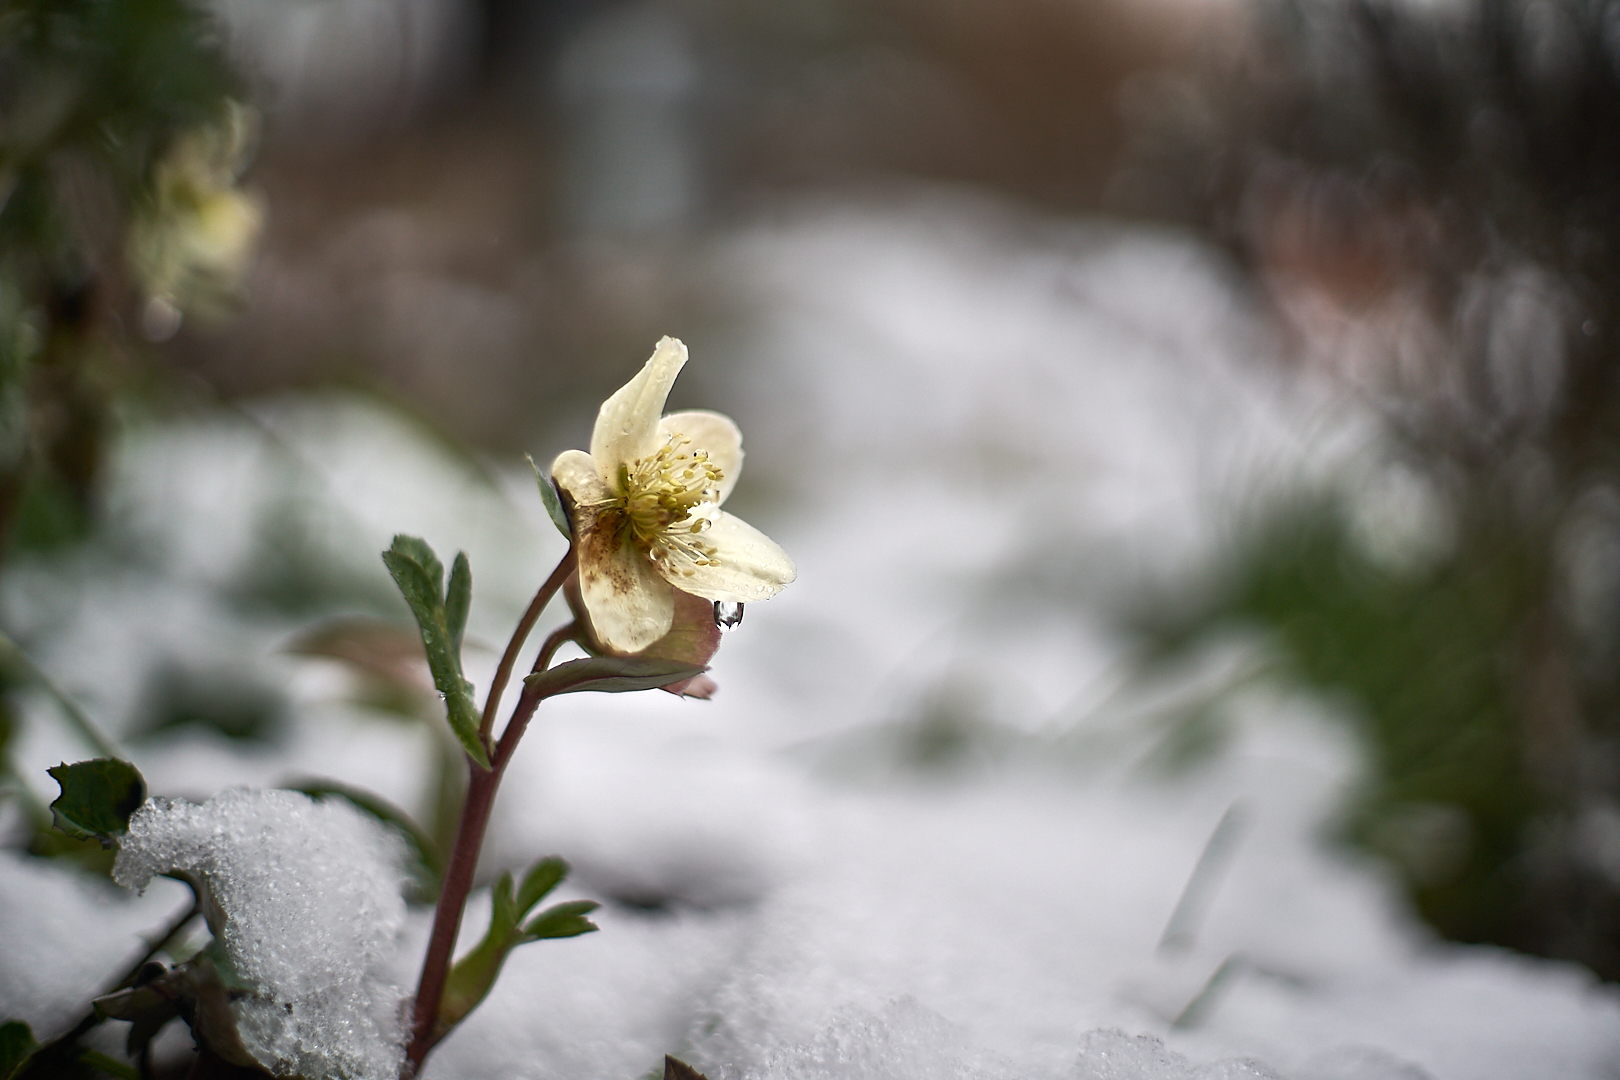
<point x="17" y="1045"/>
<point x="542" y="877"/>
<point x="472" y="976"/>
<point x="417" y="550"/>
<point x="420" y="576"/>
<point x="458" y="601"/>
<point x="429" y="873"/>
<point x="611" y="675"/>
<point x="418" y="588"/>
<point x="553" y="502"/>
<point x="98" y="796"/>
<point x="562" y="921"/>
<point x="95" y="1059"/>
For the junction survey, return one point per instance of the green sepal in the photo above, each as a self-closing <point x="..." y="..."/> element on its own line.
<point x="420" y="577"/>
<point x="610" y="675"/>
<point x="17" y="1045"/>
<point x="428" y="872"/>
<point x="552" y="501"/>
<point x="98" y="797"/>
<point x="472" y="976"/>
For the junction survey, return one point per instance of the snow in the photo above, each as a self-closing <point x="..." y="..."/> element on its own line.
<point x="928" y="827"/>
<point x="309" y="898"/>
<point x="67" y="938"/>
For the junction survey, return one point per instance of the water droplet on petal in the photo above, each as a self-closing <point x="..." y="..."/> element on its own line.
<point x="727" y="615"/>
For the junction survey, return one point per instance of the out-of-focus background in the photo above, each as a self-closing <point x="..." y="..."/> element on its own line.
<point x="1197" y="423"/>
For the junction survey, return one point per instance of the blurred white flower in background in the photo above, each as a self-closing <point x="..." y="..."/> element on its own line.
<point x="190" y="245"/>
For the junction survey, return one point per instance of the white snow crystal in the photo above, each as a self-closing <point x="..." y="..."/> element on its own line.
<point x="1113" y="1055"/>
<point x="903" y="1041"/>
<point x="311" y="893"/>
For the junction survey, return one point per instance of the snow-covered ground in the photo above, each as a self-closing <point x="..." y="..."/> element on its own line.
<point x="924" y="829"/>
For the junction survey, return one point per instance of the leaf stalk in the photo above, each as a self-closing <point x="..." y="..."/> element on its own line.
<point x="426" y="1028"/>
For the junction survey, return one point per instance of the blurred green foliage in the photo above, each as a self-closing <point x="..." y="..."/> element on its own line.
<point x="1429" y="195"/>
<point x="1427" y="655"/>
<point x="222" y="698"/>
<point x="96" y="96"/>
<point x="92" y="94"/>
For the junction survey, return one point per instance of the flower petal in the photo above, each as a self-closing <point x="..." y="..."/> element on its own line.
<point x="713" y="432"/>
<point x="580" y="479"/>
<point x="747" y="565"/>
<point x="630" y="605"/>
<point x="698" y="686"/>
<point x="693" y="637"/>
<point x="627" y="426"/>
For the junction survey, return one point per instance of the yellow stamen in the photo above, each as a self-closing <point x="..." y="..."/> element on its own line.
<point x="664" y="499"/>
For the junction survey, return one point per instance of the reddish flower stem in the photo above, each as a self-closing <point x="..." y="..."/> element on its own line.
<point x="481" y="787"/>
<point x="530" y="699"/>
<point x="503" y="671"/>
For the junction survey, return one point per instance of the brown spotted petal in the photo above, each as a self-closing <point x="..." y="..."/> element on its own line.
<point x="631" y="605"/>
<point x="693" y="638"/>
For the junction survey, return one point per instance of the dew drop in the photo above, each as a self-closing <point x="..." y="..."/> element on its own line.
<point x="727" y="615"/>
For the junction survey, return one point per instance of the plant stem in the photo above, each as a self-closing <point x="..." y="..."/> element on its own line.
<point x="503" y="671"/>
<point x="565" y="633"/>
<point x="481" y="788"/>
<point x="529" y="700"/>
<point x="447" y="916"/>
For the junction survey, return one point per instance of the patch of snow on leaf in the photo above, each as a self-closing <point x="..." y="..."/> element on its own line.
<point x="311" y="897"/>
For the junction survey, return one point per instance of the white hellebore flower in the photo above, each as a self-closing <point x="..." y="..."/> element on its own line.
<point x="646" y="511"/>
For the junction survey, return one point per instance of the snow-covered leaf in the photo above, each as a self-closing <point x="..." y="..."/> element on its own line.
<point x="427" y="870"/>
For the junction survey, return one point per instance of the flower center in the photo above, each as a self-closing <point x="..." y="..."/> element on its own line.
<point x="667" y="499"/>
